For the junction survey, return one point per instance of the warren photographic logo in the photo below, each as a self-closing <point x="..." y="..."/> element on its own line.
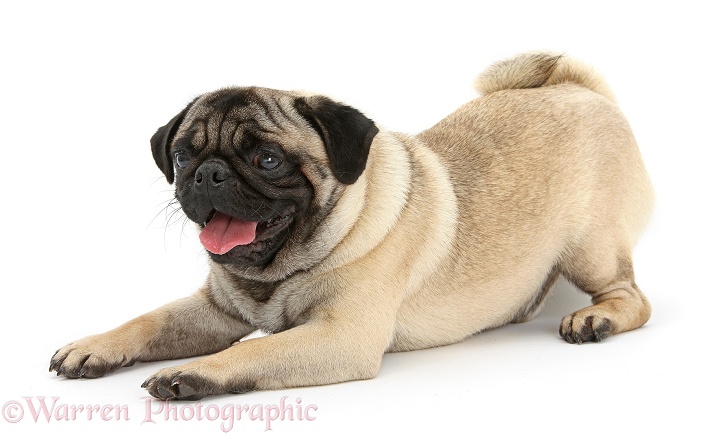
<point x="42" y="409"/>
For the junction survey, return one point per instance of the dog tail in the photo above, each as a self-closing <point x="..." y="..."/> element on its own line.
<point x="533" y="70"/>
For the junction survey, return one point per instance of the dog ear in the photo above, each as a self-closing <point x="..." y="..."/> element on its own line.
<point x="346" y="133"/>
<point x="161" y="144"/>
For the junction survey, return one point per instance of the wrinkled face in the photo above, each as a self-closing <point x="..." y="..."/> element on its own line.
<point x="238" y="176"/>
<point x="257" y="170"/>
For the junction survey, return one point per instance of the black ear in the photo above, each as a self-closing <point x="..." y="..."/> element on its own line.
<point x="161" y="144"/>
<point x="346" y="133"/>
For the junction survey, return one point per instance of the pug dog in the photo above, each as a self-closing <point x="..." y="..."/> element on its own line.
<point x="344" y="241"/>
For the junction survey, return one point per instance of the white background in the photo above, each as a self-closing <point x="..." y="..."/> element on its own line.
<point x="87" y="244"/>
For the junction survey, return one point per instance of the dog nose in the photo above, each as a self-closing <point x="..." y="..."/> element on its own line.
<point x="212" y="173"/>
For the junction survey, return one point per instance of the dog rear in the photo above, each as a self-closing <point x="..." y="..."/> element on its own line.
<point x="550" y="173"/>
<point x="532" y="70"/>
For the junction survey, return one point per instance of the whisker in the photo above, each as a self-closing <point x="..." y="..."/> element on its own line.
<point x="164" y="210"/>
<point x="184" y="221"/>
<point x="271" y="208"/>
<point x="174" y="212"/>
<point x="256" y="212"/>
<point x="156" y="179"/>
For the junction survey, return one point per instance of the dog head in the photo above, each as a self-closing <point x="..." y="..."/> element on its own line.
<point x="257" y="170"/>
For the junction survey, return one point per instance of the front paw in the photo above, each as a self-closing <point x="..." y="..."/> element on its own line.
<point x="192" y="382"/>
<point x="90" y="357"/>
<point x="586" y="325"/>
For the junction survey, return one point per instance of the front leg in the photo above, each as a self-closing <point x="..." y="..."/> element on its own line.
<point x="337" y="344"/>
<point x="186" y="327"/>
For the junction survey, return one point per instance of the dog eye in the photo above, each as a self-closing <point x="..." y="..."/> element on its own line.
<point x="181" y="159"/>
<point x="266" y="161"/>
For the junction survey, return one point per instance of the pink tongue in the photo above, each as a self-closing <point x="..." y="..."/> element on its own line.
<point x="223" y="233"/>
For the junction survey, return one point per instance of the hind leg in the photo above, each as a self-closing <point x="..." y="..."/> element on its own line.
<point x="604" y="272"/>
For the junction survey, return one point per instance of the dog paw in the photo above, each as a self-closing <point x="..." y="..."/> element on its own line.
<point x="583" y="326"/>
<point x="182" y="383"/>
<point x="91" y="357"/>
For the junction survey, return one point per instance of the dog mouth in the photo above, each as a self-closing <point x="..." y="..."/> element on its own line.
<point x="223" y="234"/>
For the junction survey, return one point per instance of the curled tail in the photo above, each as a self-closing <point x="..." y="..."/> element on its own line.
<point x="532" y="70"/>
